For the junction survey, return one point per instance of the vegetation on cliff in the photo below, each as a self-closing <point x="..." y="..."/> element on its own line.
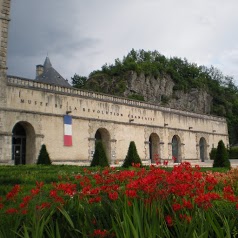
<point x="186" y="76"/>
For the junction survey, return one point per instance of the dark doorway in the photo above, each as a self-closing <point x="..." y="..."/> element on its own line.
<point x="175" y="149"/>
<point x="19" y="144"/>
<point x="154" y="148"/>
<point x="202" y="146"/>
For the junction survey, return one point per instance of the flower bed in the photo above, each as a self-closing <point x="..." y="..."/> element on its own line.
<point x="139" y="202"/>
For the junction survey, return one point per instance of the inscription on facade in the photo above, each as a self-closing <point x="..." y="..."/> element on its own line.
<point x="88" y="110"/>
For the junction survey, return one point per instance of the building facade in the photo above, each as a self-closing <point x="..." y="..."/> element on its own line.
<point x="69" y="121"/>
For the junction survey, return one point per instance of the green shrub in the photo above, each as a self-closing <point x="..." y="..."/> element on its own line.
<point x="222" y="157"/>
<point x="43" y="157"/>
<point x="132" y="156"/>
<point x="99" y="157"/>
<point x="233" y="153"/>
<point x="213" y="153"/>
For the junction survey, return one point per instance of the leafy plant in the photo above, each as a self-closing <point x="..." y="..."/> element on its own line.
<point x="222" y="157"/>
<point x="132" y="156"/>
<point x="99" y="157"/>
<point x="44" y="157"/>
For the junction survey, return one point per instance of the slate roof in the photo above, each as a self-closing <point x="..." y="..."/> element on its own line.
<point x="51" y="76"/>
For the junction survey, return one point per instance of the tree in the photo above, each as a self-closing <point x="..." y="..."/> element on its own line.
<point x="222" y="156"/>
<point x="132" y="156"/>
<point x="78" y="81"/>
<point x="44" y="157"/>
<point x="99" y="157"/>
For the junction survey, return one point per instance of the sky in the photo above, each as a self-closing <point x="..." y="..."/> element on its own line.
<point x="80" y="36"/>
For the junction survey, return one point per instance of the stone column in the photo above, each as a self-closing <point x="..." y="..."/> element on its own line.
<point x="91" y="148"/>
<point x="5" y="136"/>
<point x="147" y="153"/>
<point x="113" y="153"/>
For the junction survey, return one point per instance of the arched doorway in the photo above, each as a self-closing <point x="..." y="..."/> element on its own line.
<point x="23" y="143"/>
<point x="202" y="149"/>
<point x="103" y="135"/>
<point x="19" y="144"/>
<point x="154" y="147"/>
<point x="176" y="149"/>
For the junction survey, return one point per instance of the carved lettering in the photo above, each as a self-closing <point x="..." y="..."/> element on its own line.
<point x="29" y="101"/>
<point x="22" y="100"/>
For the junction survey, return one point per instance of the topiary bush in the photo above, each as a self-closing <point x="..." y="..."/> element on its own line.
<point x="233" y="153"/>
<point x="213" y="153"/>
<point x="222" y="156"/>
<point x="132" y="156"/>
<point x="43" y="157"/>
<point x="99" y="157"/>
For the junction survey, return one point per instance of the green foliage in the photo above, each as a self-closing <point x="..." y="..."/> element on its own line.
<point x="213" y="153"/>
<point x="136" y="97"/>
<point x="43" y="157"/>
<point x="112" y="78"/>
<point x="164" y="99"/>
<point x="78" y="81"/>
<point x="99" y="157"/>
<point x="132" y="156"/>
<point x="233" y="153"/>
<point x="222" y="157"/>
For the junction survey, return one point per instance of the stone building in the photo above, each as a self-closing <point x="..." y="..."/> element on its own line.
<point x="47" y="110"/>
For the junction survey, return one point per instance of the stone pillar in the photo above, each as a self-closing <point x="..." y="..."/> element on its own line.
<point x="4" y="21"/>
<point x="147" y="153"/>
<point x="91" y="148"/>
<point x="5" y="136"/>
<point x="162" y="152"/>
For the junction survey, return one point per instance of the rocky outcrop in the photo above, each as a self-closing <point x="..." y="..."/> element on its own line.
<point x="155" y="90"/>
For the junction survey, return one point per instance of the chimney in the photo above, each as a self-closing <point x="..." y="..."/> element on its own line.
<point x="39" y="70"/>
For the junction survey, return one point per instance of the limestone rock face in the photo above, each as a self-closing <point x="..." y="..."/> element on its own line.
<point x="154" y="90"/>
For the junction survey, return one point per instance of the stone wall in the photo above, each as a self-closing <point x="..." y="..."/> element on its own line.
<point x="41" y="107"/>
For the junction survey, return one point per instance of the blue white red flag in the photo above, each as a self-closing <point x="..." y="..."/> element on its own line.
<point x="67" y="130"/>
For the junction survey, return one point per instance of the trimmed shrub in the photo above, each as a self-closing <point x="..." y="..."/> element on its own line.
<point x="132" y="156"/>
<point x="222" y="157"/>
<point x="43" y="157"/>
<point x="99" y="157"/>
<point x="213" y="153"/>
<point x="233" y="153"/>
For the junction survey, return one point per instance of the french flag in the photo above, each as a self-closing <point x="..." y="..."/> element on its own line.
<point x="67" y="130"/>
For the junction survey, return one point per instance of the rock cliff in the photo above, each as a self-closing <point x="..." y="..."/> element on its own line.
<point x="160" y="90"/>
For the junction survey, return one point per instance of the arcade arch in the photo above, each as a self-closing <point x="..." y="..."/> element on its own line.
<point x="154" y="148"/>
<point x="176" y="149"/>
<point x="23" y="143"/>
<point x="103" y="135"/>
<point x="203" y="149"/>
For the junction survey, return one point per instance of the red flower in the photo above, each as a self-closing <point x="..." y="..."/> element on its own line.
<point x="100" y="233"/>
<point x="11" y="211"/>
<point x="113" y="195"/>
<point x="35" y="191"/>
<point x="43" y="206"/>
<point x="39" y="184"/>
<point x="13" y="193"/>
<point x="169" y="220"/>
<point x="131" y="193"/>
<point x="176" y="207"/>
